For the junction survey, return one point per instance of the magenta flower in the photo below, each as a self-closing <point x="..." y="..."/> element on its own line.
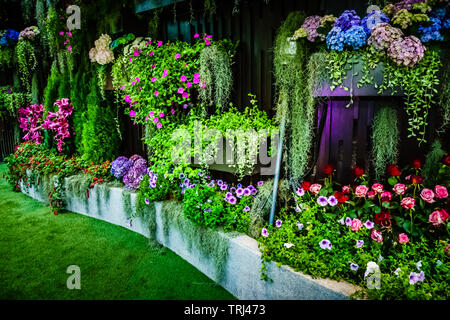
<point x="156" y="93"/>
<point x="164" y="74"/>
<point x="278" y="223"/>
<point x="177" y="56"/>
<point x="185" y="95"/>
<point x="127" y="99"/>
<point x="188" y="84"/>
<point x="264" y="232"/>
<point x="322" y="201"/>
<point x="161" y="114"/>
<point x="160" y="43"/>
<point x="196" y="35"/>
<point x="132" y="113"/>
<point x="203" y="85"/>
<point x="159" y="125"/>
<point x="155" y="119"/>
<point x="246" y="209"/>
<point x="153" y="79"/>
<point x="183" y="78"/>
<point x="136" y="53"/>
<point x="180" y="90"/>
<point x="369" y="224"/>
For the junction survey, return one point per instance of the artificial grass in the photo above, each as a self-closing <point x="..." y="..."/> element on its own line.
<point x="36" y="247"/>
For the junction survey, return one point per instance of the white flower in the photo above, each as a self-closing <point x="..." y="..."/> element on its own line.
<point x="397" y="271"/>
<point x="300" y="226"/>
<point x="419" y="265"/>
<point x="371" y="268"/>
<point x="380" y="258"/>
<point x="288" y="245"/>
<point x="438" y="263"/>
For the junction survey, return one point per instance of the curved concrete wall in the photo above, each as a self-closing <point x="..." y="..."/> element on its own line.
<point x="241" y="275"/>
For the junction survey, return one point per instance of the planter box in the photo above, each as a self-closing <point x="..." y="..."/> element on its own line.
<point x="241" y="270"/>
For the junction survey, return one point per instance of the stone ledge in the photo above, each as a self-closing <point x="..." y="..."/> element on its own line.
<point x="241" y="270"/>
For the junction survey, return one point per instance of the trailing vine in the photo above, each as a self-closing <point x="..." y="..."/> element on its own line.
<point x="385" y="139"/>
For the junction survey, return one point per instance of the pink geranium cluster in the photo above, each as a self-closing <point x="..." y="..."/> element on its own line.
<point x="59" y="122"/>
<point x="30" y="119"/>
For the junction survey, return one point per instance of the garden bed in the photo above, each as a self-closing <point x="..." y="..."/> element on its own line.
<point x="231" y="259"/>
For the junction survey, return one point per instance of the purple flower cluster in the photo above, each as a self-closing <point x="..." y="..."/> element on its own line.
<point x="136" y="173"/>
<point x="311" y="24"/>
<point x="415" y="277"/>
<point x="120" y="166"/>
<point x="325" y="244"/>
<point x="348" y="19"/>
<point x="186" y="184"/>
<point x="383" y="35"/>
<point x="372" y="19"/>
<point x="235" y="193"/>
<point x="29" y="33"/>
<point x="406" y="51"/>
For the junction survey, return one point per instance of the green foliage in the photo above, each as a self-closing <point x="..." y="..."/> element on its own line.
<point x="385" y="139"/>
<point x="215" y="71"/>
<point x="99" y="137"/>
<point x="11" y="101"/>
<point x="52" y="24"/>
<point x="51" y="90"/>
<point x="6" y="57"/>
<point x="419" y="86"/>
<point x="443" y="100"/>
<point x="210" y="242"/>
<point x="431" y="166"/>
<point x="79" y="90"/>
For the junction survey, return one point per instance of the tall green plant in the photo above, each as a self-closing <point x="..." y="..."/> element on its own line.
<point x="385" y="139"/>
<point x="51" y="90"/>
<point x="432" y="163"/>
<point x="99" y="136"/>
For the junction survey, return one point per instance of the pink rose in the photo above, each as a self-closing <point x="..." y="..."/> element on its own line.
<point x="377" y="187"/>
<point x="315" y="188"/>
<point x="427" y="195"/>
<point x="408" y="203"/>
<point x="345" y="189"/>
<point x="399" y="188"/>
<point x="403" y="238"/>
<point x="356" y="224"/>
<point x="361" y="191"/>
<point x="376" y="236"/>
<point x="441" y="192"/>
<point x="371" y="195"/>
<point x="386" y="196"/>
<point x="438" y="217"/>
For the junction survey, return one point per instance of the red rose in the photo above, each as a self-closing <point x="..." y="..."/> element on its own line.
<point x="306" y="185"/>
<point x="416" y="179"/>
<point x="446" y="160"/>
<point x="382" y="218"/>
<point x="416" y="163"/>
<point x="358" y="171"/>
<point x="341" y="197"/>
<point x="393" y="170"/>
<point x="328" y="169"/>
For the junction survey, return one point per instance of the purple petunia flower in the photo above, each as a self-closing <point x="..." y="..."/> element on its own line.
<point x="323" y="201"/>
<point x="147" y="202"/>
<point x="247" y="192"/>
<point x="264" y="232"/>
<point x="341" y="221"/>
<point x="239" y="185"/>
<point x="246" y="209"/>
<point x="300" y="226"/>
<point x="415" y="277"/>
<point x="223" y="187"/>
<point x="181" y="176"/>
<point x="359" y="243"/>
<point x="325" y="244"/>
<point x="369" y="224"/>
<point x="353" y="266"/>
<point x="260" y="183"/>
<point x="300" y="192"/>
<point x="219" y="182"/>
<point x="332" y="201"/>
<point x="233" y="189"/>
<point x="239" y="192"/>
<point x="232" y="200"/>
<point x="348" y="221"/>
<point x="228" y="195"/>
<point x="278" y="223"/>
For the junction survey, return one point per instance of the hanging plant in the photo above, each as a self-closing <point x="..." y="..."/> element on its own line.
<point x="385" y="139"/>
<point x="27" y="62"/>
<point x="215" y="72"/>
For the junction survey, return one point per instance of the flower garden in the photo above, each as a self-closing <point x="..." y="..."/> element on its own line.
<point x="381" y="224"/>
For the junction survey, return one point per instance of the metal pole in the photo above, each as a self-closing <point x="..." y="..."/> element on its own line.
<point x="277" y="173"/>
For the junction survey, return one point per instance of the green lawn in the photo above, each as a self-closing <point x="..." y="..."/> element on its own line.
<point x="36" y="247"/>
